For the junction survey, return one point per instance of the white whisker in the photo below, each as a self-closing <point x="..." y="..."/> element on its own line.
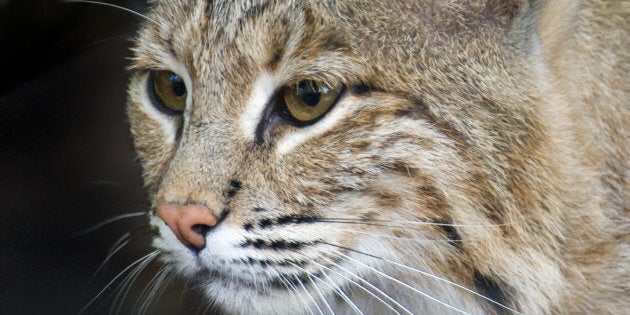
<point x="402" y="283"/>
<point x="187" y="287"/>
<point x="154" y="289"/>
<point x="310" y="296"/>
<point x="428" y="274"/>
<point x="359" y="285"/>
<point x="124" y="288"/>
<point x="115" y="248"/>
<point x="319" y="292"/>
<point x="113" y="6"/>
<point x="343" y="295"/>
<point x="290" y="286"/>
<point x="386" y="223"/>
<point x="451" y="283"/>
<point x="380" y="235"/>
<point x="143" y="297"/>
<point x="147" y="257"/>
<point x="333" y="287"/>
<point x="370" y="285"/>
<point x="110" y="220"/>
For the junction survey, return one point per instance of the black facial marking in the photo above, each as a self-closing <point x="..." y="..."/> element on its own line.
<point x="284" y="220"/>
<point x="224" y="214"/>
<point x="296" y="219"/>
<point x="236" y="186"/>
<point x="451" y="233"/>
<point x="276" y="58"/>
<point x="259" y="243"/>
<point x="276" y="244"/>
<point x="361" y="89"/>
<point x="491" y="289"/>
<point x="402" y="113"/>
<point x="263" y="262"/>
<point x="248" y="226"/>
<point x="257" y="209"/>
<point x="265" y="223"/>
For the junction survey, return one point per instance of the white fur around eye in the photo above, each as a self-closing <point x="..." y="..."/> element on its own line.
<point x="340" y="110"/>
<point x="140" y="92"/>
<point x="262" y="90"/>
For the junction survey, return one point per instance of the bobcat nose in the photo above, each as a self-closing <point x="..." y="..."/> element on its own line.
<point x="190" y="223"/>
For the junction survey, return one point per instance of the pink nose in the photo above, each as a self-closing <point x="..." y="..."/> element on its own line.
<point x="190" y="223"/>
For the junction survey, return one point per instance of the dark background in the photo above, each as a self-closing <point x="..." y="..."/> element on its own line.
<point x="66" y="159"/>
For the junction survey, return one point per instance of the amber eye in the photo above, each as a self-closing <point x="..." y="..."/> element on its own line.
<point x="169" y="90"/>
<point x="308" y="101"/>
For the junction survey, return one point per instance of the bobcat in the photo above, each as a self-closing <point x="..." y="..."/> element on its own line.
<point x="385" y="156"/>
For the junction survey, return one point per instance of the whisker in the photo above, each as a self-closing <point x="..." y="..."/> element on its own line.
<point x="147" y="257"/>
<point x="398" y="281"/>
<point x="343" y="295"/>
<point x="124" y="288"/>
<point x="205" y="309"/>
<point x="333" y="287"/>
<point x="319" y="292"/>
<point x="370" y="285"/>
<point x="115" y="248"/>
<point x="383" y="223"/>
<point x="182" y="294"/>
<point x="380" y="235"/>
<point x="142" y="298"/>
<point x="108" y="221"/>
<point x="113" y="6"/>
<point x="428" y="274"/>
<point x="359" y="285"/>
<point x="289" y="285"/>
<point x="310" y="297"/>
<point x="156" y="289"/>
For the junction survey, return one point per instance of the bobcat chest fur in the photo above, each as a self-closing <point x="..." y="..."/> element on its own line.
<point x="389" y="156"/>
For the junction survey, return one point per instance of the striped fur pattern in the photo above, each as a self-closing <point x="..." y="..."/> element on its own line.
<point x="478" y="160"/>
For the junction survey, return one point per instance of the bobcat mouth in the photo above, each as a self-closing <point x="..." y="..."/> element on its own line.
<point x="270" y="278"/>
<point x="281" y="282"/>
<point x="295" y="280"/>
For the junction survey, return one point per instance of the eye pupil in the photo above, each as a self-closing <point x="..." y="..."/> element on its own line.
<point x="309" y="93"/>
<point x="178" y="85"/>
<point x="311" y="99"/>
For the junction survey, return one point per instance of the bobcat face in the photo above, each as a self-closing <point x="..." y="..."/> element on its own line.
<point x="308" y="156"/>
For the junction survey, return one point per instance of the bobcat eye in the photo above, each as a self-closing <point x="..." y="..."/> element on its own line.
<point x="168" y="90"/>
<point x="308" y="101"/>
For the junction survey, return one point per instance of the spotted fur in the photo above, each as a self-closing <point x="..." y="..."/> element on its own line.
<point x="477" y="144"/>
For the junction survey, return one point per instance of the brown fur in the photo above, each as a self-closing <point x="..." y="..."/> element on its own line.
<point x="523" y="122"/>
